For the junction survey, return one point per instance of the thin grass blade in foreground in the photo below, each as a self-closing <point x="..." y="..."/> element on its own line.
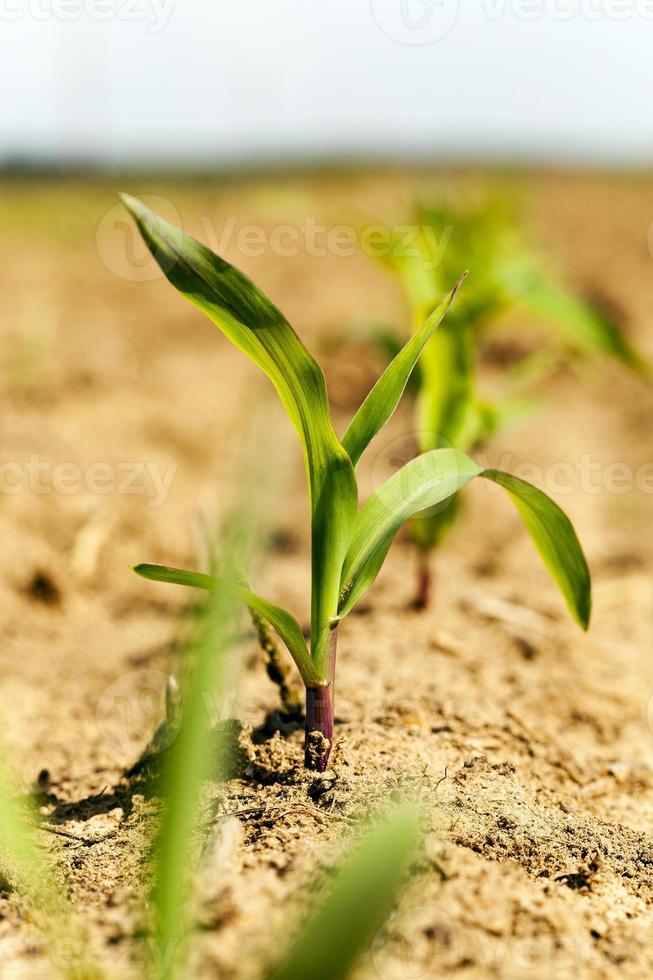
<point x="334" y="936"/>
<point x="35" y="879"/>
<point x="194" y="757"/>
<point x="200" y="752"/>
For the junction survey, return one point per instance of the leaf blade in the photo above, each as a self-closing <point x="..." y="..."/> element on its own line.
<point x="252" y="322"/>
<point x="384" y="397"/>
<point x="555" y="539"/>
<point x="425" y="481"/>
<point x="584" y="323"/>
<point x="283" y="622"/>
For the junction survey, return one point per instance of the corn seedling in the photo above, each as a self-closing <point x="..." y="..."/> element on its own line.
<point x="348" y="544"/>
<point x="505" y="276"/>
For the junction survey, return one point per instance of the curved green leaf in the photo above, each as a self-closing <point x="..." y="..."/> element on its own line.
<point x="434" y="478"/>
<point x="333" y="938"/>
<point x="423" y="482"/>
<point x="280" y="619"/>
<point x="386" y="393"/>
<point x="252" y="322"/>
<point x="555" y="539"/>
<point x="586" y="325"/>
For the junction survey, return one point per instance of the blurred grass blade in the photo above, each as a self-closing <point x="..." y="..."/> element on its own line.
<point x="555" y="539"/>
<point x="35" y="879"/>
<point x="583" y="323"/>
<point x="333" y="938"/>
<point x="423" y="482"/>
<point x="386" y="393"/>
<point x="193" y="758"/>
<point x="446" y="413"/>
<point x="252" y="322"/>
<point x="280" y="619"/>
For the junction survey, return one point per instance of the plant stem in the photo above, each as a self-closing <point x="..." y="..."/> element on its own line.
<point x="319" y="715"/>
<point x="422" y="598"/>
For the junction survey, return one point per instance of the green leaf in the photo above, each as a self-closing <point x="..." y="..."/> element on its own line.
<point x="433" y="478"/>
<point x="428" y="530"/>
<point x="555" y="539"/>
<point x="252" y="322"/>
<point x="333" y="938"/>
<point x="423" y="482"/>
<point x="283" y="622"/>
<point x="446" y="413"/>
<point x="586" y="325"/>
<point x="386" y="393"/>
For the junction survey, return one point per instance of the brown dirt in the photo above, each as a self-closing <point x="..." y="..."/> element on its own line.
<point x="528" y="742"/>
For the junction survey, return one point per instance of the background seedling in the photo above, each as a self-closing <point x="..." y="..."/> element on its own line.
<point x="348" y="544"/>
<point x="505" y="276"/>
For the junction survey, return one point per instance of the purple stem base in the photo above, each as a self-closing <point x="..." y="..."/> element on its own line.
<point x="319" y="728"/>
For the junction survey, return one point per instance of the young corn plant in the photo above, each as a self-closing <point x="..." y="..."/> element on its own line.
<point x="505" y="275"/>
<point x="348" y="543"/>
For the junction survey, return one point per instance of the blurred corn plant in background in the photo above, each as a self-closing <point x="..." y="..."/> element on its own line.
<point x="505" y="274"/>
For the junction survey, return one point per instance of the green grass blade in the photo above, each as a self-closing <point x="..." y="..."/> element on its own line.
<point x="333" y="938"/>
<point x="280" y="619"/>
<point x="556" y="541"/>
<point x="192" y="760"/>
<point x="177" y="576"/>
<point x="252" y="322"/>
<point x="35" y="878"/>
<point x="386" y="393"/>
<point x="423" y="482"/>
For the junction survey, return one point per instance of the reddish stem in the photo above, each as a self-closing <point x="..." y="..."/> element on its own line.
<point x="422" y="598"/>
<point x="319" y="715"/>
<point x="319" y="728"/>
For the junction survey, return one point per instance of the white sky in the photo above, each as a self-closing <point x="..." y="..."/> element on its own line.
<point x="175" y="80"/>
